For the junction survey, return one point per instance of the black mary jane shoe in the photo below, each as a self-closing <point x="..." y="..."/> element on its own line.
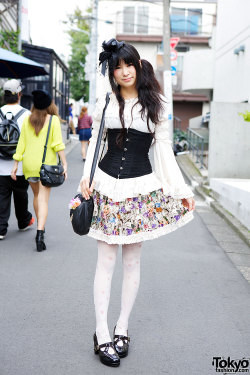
<point x="106" y="358"/>
<point x="121" y="350"/>
<point x="40" y="244"/>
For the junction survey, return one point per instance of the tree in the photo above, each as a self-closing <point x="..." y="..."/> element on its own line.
<point x="79" y="87"/>
<point x="9" y="40"/>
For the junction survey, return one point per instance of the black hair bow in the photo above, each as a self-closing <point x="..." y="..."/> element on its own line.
<point x="110" y="50"/>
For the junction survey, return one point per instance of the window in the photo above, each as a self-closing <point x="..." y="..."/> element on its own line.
<point x="142" y="20"/>
<point x="186" y="21"/>
<point x="128" y="19"/>
<point x="135" y="20"/>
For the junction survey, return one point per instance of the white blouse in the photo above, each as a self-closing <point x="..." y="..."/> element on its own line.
<point x="167" y="174"/>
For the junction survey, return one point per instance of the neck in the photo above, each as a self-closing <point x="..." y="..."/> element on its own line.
<point x="12" y="103"/>
<point x="129" y="92"/>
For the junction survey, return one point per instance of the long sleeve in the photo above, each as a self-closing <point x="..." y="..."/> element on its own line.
<point x="57" y="142"/>
<point x="97" y="116"/>
<point x="166" y="167"/>
<point x="21" y="143"/>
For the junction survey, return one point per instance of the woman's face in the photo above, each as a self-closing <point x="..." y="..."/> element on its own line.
<point x="125" y="74"/>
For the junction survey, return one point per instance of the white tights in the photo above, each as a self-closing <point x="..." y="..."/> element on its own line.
<point x="102" y="284"/>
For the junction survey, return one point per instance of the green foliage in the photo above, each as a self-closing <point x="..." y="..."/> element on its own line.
<point x="9" y="40"/>
<point x="179" y="135"/>
<point x="79" y="87"/>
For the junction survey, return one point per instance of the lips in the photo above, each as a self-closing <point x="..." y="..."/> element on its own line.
<point x="127" y="79"/>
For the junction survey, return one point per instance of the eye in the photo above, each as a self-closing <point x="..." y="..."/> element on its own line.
<point x="117" y="67"/>
<point x="130" y="64"/>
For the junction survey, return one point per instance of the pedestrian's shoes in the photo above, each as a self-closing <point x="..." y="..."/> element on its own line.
<point x="106" y="358"/>
<point x="121" y="350"/>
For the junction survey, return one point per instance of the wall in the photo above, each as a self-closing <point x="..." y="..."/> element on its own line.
<point x="229" y="141"/>
<point x="198" y="70"/>
<point x="232" y="78"/>
<point x="195" y="122"/>
<point x="234" y="196"/>
<point x="185" y="111"/>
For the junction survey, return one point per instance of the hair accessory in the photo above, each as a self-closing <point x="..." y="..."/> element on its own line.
<point x="110" y="50"/>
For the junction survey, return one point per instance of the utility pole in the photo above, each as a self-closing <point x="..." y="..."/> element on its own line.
<point x="167" y="78"/>
<point x="20" y="10"/>
<point x="93" y="57"/>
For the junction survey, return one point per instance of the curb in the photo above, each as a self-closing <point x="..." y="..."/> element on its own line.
<point x="69" y="146"/>
<point x="238" y="227"/>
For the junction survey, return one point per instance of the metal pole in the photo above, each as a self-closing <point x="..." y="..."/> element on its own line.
<point x="93" y="54"/>
<point x="167" y="78"/>
<point x="20" y="5"/>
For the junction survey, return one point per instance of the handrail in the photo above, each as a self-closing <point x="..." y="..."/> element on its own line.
<point x="196" y="143"/>
<point x="177" y="123"/>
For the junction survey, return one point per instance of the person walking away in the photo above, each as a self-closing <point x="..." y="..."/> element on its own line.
<point x="30" y="150"/>
<point x="84" y="130"/>
<point x="132" y="203"/>
<point x="14" y="112"/>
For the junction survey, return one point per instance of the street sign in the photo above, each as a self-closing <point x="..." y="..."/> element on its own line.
<point x="173" y="55"/>
<point x="174" y="42"/>
<point x="173" y="70"/>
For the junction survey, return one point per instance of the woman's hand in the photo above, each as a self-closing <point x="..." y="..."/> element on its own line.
<point x="65" y="171"/>
<point x="85" y="190"/>
<point x="14" y="171"/>
<point x="189" y="203"/>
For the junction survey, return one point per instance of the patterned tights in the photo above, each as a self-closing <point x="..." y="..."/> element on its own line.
<point x="102" y="284"/>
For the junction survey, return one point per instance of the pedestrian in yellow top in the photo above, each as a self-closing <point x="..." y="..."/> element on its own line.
<point x="30" y="151"/>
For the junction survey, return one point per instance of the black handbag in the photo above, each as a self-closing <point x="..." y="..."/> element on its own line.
<point x="51" y="175"/>
<point x="81" y="216"/>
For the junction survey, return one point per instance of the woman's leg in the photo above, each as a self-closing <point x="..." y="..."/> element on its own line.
<point x="84" y="145"/>
<point x="131" y="255"/>
<point x="102" y="285"/>
<point x="35" y="189"/>
<point x="43" y="202"/>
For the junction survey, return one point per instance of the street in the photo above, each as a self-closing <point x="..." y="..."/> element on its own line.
<point x="193" y="303"/>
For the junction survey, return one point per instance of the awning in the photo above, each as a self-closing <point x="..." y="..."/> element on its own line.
<point x="13" y="65"/>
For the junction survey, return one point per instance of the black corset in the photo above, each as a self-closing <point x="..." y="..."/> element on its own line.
<point x="132" y="159"/>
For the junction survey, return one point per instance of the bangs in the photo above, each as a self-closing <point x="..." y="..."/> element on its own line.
<point x="125" y="55"/>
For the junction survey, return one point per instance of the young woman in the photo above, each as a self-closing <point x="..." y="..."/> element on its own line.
<point x="132" y="203"/>
<point x="84" y="130"/>
<point x="30" y="150"/>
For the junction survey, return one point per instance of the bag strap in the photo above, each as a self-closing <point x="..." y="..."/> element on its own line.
<point x="98" y="142"/>
<point x="45" y="146"/>
<point x="2" y="115"/>
<point x="19" y="114"/>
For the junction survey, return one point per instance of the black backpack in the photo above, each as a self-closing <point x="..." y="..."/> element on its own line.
<point x="9" y="134"/>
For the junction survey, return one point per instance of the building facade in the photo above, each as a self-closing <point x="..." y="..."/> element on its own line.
<point x="57" y="82"/>
<point x="140" y="23"/>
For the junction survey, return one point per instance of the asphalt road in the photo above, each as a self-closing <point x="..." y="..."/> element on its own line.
<point x="193" y="303"/>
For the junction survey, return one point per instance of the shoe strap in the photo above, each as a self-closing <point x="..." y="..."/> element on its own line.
<point x="107" y="345"/>
<point x="121" y="337"/>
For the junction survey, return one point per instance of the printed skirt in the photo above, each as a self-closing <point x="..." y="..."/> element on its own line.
<point x="136" y="219"/>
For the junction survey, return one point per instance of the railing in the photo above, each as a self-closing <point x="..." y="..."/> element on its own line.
<point x="177" y="123"/>
<point x="196" y="144"/>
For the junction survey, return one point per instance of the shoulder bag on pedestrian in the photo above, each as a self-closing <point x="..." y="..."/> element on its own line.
<point x="51" y="175"/>
<point x="81" y="216"/>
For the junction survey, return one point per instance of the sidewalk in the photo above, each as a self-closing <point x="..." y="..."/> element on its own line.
<point x="238" y="252"/>
<point x="193" y="303"/>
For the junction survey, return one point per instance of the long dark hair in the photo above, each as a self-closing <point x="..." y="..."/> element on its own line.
<point x="148" y="87"/>
<point x="38" y="116"/>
